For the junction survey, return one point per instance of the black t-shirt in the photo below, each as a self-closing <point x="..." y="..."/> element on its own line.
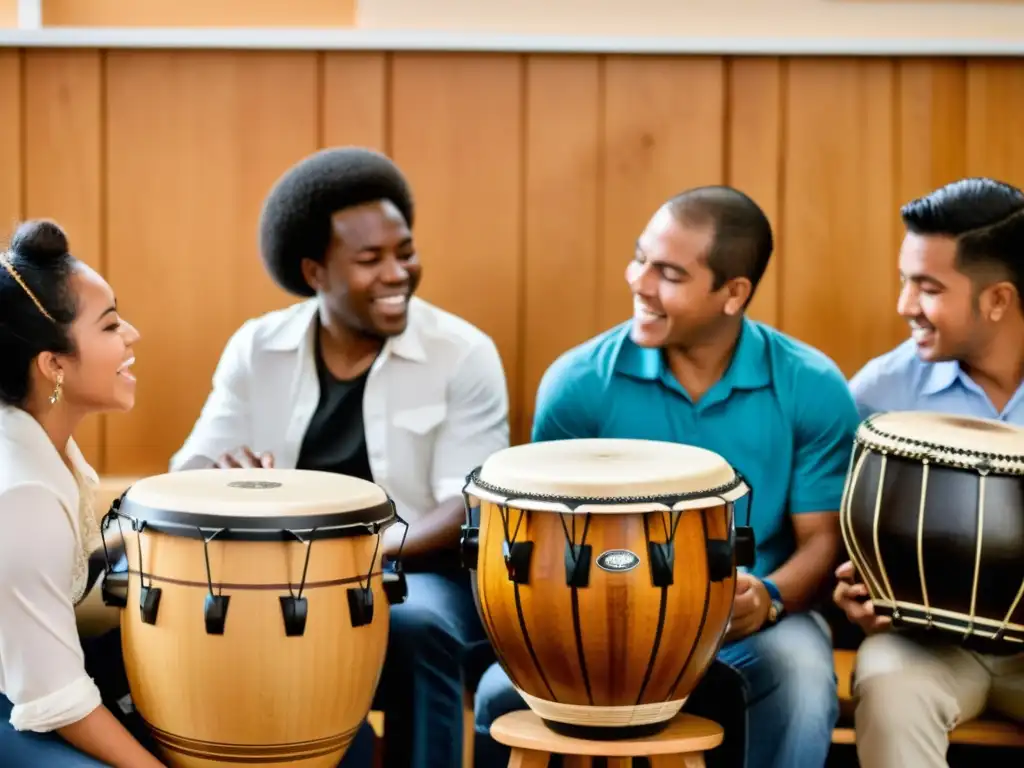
<point x="335" y="440"/>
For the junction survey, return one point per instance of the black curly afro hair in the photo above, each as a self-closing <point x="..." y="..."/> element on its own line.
<point x="296" y="219"/>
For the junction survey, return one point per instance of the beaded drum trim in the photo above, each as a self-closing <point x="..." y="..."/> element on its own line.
<point x="873" y="438"/>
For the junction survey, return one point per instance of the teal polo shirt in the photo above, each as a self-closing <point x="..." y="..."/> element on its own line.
<point x="782" y="414"/>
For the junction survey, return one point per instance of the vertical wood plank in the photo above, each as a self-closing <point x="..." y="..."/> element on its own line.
<point x="664" y="127"/>
<point x="756" y="135"/>
<point x="354" y="99"/>
<point x="995" y="119"/>
<point x="456" y="131"/>
<point x="62" y="160"/>
<point x="563" y="191"/>
<point x="839" y="209"/>
<point x="932" y="125"/>
<point x="11" y="203"/>
<point x="195" y="139"/>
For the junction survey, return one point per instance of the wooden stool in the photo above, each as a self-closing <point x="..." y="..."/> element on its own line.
<point x="681" y="745"/>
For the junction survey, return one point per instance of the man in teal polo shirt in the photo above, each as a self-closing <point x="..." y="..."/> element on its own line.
<point x="689" y="367"/>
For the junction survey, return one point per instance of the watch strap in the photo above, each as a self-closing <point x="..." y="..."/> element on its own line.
<point x="777" y="606"/>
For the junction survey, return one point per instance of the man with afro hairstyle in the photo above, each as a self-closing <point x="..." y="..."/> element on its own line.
<point x="364" y="379"/>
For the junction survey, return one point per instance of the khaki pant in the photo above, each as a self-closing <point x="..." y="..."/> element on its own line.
<point x="909" y="696"/>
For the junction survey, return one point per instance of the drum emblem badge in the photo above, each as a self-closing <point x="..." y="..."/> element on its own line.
<point x="259" y="485"/>
<point x="617" y="560"/>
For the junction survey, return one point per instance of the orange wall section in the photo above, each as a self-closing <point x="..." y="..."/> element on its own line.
<point x="199" y="13"/>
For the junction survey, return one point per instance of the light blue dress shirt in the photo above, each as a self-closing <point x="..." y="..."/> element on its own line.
<point x="900" y="381"/>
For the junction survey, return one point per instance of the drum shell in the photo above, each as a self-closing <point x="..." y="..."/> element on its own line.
<point x="617" y="642"/>
<point x="253" y="690"/>
<point x="922" y="570"/>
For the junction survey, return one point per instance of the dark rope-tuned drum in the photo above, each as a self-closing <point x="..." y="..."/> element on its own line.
<point x="604" y="575"/>
<point x="256" y="618"/>
<point x="933" y="520"/>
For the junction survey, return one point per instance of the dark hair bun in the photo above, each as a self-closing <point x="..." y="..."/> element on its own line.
<point x="39" y="239"/>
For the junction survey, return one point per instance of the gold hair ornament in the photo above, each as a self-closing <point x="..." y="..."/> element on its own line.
<point x="5" y="260"/>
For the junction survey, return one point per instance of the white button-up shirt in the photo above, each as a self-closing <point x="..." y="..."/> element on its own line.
<point x="42" y="666"/>
<point x="435" y="404"/>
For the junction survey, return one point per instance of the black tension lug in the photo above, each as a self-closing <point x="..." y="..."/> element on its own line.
<point x="577" y="565"/>
<point x="719" y="559"/>
<point x="360" y="606"/>
<point x="215" y="612"/>
<point x="149" y="603"/>
<point x="294" y="611"/>
<point x="114" y="589"/>
<point x="396" y="589"/>
<point x="745" y="547"/>
<point x="469" y="547"/>
<point x="662" y="555"/>
<point x="517" y="561"/>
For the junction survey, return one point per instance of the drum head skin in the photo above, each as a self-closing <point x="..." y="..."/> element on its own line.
<point x="963" y="441"/>
<point x="246" y="502"/>
<point x="615" y="471"/>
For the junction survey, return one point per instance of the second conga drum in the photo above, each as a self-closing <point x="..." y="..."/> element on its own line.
<point x="604" y="574"/>
<point x="256" y="620"/>
<point x="933" y="520"/>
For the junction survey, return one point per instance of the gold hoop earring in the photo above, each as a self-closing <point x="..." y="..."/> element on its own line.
<point x="57" y="389"/>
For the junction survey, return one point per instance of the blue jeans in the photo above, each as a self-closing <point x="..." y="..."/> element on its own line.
<point x="421" y="687"/>
<point x="420" y="690"/>
<point x="790" y="693"/>
<point x="27" y="749"/>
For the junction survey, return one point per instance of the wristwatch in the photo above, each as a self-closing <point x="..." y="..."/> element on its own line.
<point x="777" y="607"/>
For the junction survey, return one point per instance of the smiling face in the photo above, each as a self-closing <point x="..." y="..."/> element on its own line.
<point x="371" y="269"/>
<point x="674" y="303"/>
<point x="97" y="376"/>
<point x="949" y="318"/>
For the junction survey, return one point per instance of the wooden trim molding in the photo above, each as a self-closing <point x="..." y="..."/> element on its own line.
<point x="427" y="40"/>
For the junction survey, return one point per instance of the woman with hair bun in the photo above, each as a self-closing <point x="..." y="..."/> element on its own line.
<point x="66" y="354"/>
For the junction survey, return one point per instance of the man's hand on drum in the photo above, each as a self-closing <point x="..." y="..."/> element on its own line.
<point x="750" y="607"/>
<point x="850" y="595"/>
<point x="244" y="457"/>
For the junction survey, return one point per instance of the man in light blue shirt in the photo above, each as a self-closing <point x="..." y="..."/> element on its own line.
<point x="691" y="368"/>
<point x="962" y="267"/>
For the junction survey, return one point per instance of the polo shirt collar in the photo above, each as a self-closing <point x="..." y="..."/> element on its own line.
<point x="748" y="369"/>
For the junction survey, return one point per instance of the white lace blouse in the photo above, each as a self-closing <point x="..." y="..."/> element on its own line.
<point x="48" y="530"/>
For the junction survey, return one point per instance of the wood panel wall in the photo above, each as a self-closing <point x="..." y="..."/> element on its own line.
<point x="534" y="175"/>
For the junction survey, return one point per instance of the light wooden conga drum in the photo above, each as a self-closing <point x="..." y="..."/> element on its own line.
<point x="256" y="619"/>
<point x="604" y="575"/>
<point x="933" y="521"/>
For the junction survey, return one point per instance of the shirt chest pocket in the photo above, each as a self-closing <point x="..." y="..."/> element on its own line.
<point x="421" y="420"/>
